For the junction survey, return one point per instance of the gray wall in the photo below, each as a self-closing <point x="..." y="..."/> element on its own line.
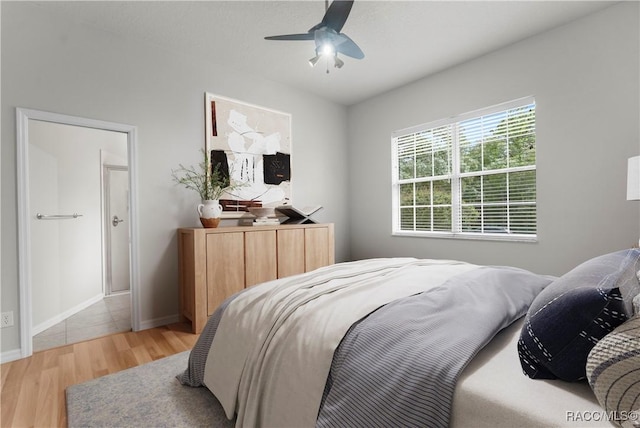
<point x="54" y="65"/>
<point x="584" y="77"/>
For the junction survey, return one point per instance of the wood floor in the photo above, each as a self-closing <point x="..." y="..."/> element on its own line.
<point x="33" y="388"/>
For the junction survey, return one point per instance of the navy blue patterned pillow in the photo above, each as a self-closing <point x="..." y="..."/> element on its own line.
<point x="574" y="312"/>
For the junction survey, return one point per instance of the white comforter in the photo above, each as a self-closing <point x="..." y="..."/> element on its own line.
<point x="279" y="336"/>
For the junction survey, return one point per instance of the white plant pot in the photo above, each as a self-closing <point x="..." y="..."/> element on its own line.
<point x="210" y="211"/>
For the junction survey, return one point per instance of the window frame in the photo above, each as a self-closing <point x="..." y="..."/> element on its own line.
<point x="456" y="178"/>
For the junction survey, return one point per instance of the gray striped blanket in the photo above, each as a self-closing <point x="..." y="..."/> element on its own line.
<point x="398" y="365"/>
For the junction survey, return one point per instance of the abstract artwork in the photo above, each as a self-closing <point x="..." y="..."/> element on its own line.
<point x="252" y="146"/>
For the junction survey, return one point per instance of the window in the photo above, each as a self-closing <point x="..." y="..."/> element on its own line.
<point x="469" y="176"/>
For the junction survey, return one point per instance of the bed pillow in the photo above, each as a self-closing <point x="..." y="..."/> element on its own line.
<point x="613" y="371"/>
<point x="575" y="311"/>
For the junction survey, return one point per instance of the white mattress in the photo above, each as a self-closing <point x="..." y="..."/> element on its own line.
<point x="493" y="392"/>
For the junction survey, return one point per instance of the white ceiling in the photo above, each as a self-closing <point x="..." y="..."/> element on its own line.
<point x="402" y="40"/>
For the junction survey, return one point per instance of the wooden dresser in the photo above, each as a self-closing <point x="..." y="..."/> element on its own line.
<point x="218" y="262"/>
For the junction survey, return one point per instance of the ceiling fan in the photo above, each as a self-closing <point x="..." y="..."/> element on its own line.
<point x="327" y="36"/>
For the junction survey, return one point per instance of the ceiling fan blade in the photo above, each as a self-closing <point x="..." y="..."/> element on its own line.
<point x="343" y="44"/>
<point x="302" y="36"/>
<point x="336" y="15"/>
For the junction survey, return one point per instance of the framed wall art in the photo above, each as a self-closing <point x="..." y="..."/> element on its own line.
<point x="252" y="146"/>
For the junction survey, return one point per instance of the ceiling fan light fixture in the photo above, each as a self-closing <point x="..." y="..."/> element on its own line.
<point x="313" y="61"/>
<point x="327" y="49"/>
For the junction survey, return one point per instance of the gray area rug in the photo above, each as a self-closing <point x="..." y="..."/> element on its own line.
<point x="144" y="396"/>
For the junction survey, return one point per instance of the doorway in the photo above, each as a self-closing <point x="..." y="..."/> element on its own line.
<point x="116" y="215"/>
<point x="62" y="232"/>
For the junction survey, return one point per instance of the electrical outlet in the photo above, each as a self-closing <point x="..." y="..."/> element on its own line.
<point x="7" y="319"/>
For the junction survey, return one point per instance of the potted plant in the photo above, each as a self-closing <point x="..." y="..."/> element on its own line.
<point x="209" y="183"/>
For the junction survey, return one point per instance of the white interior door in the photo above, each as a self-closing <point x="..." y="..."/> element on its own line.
<point x="117" y="226"/>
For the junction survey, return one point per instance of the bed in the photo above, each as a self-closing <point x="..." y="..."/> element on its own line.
<point x="414" y="342"/>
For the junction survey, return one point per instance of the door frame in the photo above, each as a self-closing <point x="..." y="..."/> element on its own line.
<point x="106" y="246"/>
<point x="23" y="116"/>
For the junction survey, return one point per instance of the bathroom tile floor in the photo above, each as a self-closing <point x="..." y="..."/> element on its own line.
<point x="110" y="315"/>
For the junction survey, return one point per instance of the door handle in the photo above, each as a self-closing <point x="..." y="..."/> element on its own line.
<point x="116" y="221"/>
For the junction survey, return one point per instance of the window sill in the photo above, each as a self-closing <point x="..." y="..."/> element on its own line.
<point x="469" y="236"/>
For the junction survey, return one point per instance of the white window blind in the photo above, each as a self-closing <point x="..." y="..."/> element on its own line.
<point x="470" y="176"/>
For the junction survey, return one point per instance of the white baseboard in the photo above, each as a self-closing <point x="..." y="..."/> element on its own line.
<point x="14" y="354"/>
<point x="159" y="322"/>
<point x="66" y="314"/>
